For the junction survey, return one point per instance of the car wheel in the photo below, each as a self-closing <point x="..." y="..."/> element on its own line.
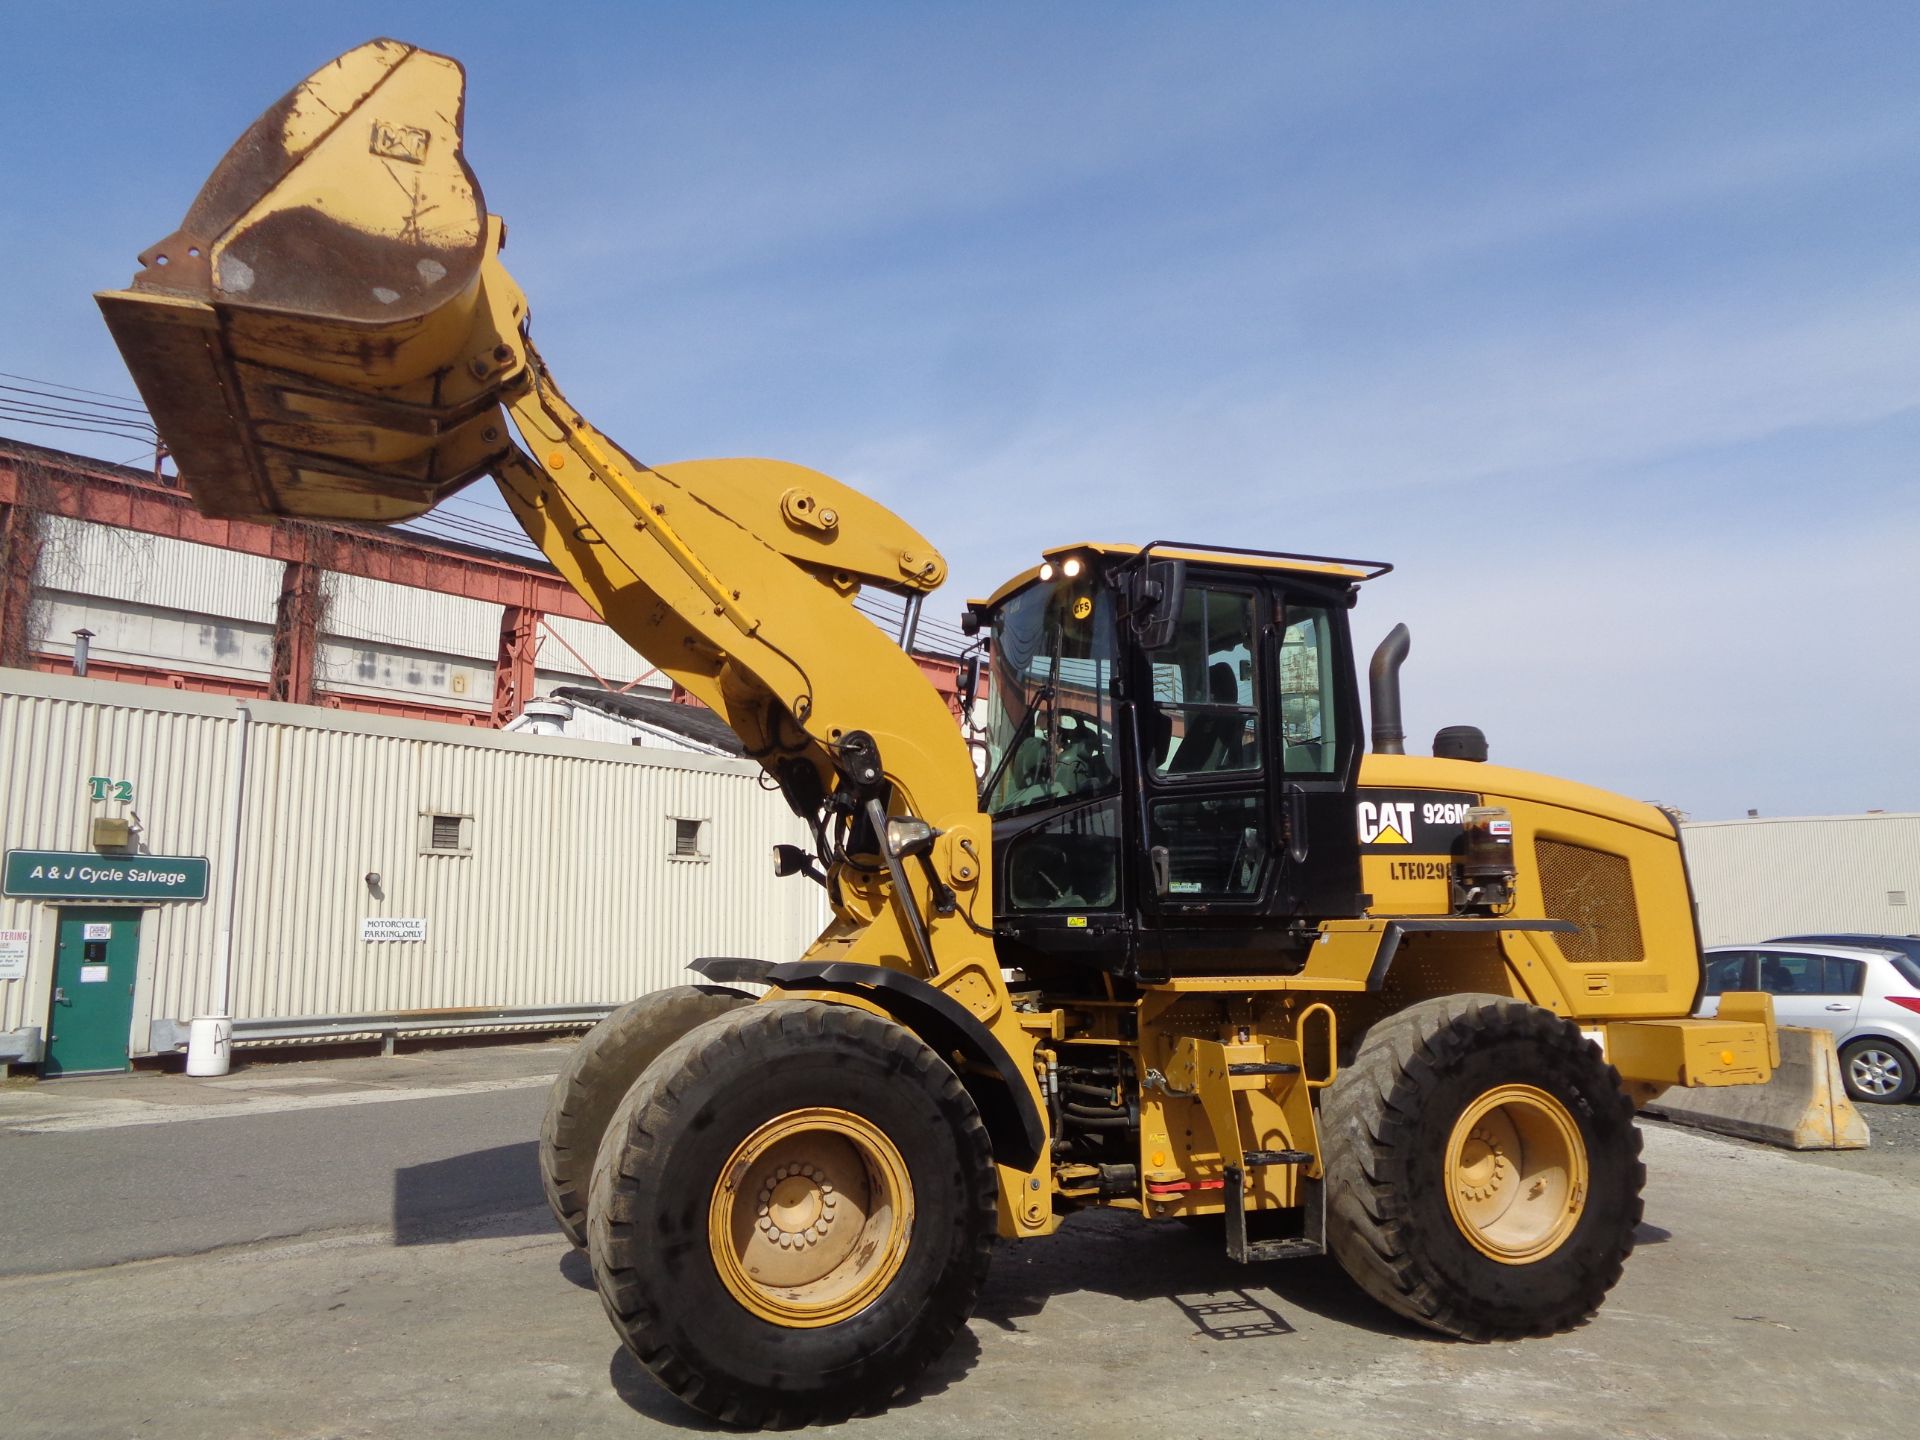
<point x="1878" y="1072"/>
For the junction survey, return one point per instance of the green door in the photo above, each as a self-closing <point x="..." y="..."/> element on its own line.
<point x="92" y="1010"/>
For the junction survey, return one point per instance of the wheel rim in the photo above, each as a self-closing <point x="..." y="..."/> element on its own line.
<point x="1876" y="1072"/>
<point x="810" y="1217"/>
<point x="1516" y="1174"/>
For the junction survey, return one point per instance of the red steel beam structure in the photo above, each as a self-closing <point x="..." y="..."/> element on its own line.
<point x="37" y="480"/>
<point x="54" y="482"/>
<point x="83" y="489"/>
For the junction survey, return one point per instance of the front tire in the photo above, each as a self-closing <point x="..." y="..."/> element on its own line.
<point x="1483" y="1168"/>
<point x="1878" y="1072"/>
<point x="792" y="1213"/>
<point x="597" y="1076"/>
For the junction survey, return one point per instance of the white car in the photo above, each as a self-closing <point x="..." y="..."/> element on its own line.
<point x="1869" y="999"/>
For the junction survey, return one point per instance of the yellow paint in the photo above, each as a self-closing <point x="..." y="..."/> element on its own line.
<point x="1516" y="1174"/>
<point x="810" y="1218"/>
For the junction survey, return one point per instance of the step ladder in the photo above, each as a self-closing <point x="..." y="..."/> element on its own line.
<point x="1313" y="1209"/>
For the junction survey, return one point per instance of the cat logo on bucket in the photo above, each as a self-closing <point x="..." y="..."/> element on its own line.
<point x="1386" y="823"/>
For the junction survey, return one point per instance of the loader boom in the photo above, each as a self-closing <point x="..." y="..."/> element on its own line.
<point x="331" y="335"/>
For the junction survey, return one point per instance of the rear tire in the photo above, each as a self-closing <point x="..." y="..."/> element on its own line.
<point x="1878" y="1072"/>
<point x="1483" y="1168"/>
<point x="597" y="1076"/>
<point x="792" y="1214"/>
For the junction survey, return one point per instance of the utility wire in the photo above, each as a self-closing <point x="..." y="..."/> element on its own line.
<point x="126" y="401"/>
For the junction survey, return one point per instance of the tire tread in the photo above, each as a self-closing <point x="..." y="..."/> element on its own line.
<point x="1370" y="1122"/>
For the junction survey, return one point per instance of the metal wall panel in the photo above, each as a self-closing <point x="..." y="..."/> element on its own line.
<point x="55" y="733"/>
<point x="569" y="895"/>
<point x="136" y="634"/>
<point x="1755" y="879"/>
<point x="387" y="672"/>
<point x="410" y="618"/>
<point x="83" y="558"/>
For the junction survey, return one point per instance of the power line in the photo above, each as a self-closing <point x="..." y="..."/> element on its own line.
<point x="77" y="390"/>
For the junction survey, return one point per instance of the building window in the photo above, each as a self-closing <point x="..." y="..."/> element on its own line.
<point x="445" y="834"/>
<point x="689" y="840"/>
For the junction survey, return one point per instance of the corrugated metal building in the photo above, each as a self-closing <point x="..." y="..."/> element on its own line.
<point x="535" y="879"/>
<point x="1758" y="878"/>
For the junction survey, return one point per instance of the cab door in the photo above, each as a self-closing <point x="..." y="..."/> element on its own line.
<point x="1205" y="780"/>
<point x="1313" y="744"/>
<point x="1205" y="765"/>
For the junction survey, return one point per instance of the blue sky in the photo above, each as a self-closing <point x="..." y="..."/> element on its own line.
<point x="1602" y="322"/>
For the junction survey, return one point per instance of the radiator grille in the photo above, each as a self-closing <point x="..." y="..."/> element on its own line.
<point x="1595" y="891"/>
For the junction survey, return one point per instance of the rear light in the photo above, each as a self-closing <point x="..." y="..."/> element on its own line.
<point x="1907" y="1002"/>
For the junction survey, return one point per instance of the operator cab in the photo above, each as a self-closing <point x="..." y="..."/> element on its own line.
<point x="1172" y="743"/>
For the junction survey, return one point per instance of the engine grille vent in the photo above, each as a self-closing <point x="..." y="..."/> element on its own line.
<point x="1594" y="890"/>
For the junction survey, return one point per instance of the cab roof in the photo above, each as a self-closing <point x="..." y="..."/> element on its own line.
<point x="1320" y="567"/>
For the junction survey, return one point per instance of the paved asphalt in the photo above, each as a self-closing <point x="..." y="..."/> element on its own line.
<point x="412" y="1167"/>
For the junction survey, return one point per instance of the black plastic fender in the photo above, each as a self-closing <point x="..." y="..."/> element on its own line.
<point x="1012" y="1119"/>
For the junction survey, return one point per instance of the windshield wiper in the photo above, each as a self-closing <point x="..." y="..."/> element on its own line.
<point x="1042" y="696"/>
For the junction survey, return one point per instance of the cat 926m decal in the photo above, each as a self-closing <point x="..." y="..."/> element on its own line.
<point x="1411" y="822"/>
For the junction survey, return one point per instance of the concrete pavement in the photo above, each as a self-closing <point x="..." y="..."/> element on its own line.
<point x="1772" y="1296"/>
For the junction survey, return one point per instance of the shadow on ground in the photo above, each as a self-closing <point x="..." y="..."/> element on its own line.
<point x="430" y="1200"/>
<point x="1186" y="1268"/>
<point x="1157" y="1264"/>
<point x="646" y="1396"/>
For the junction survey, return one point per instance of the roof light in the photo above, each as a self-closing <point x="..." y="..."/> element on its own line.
<point x="1071" y="567"/>
<point x="1046" y="571"/>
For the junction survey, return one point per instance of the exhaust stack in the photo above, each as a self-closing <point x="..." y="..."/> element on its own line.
<point x="1383" y="685"/>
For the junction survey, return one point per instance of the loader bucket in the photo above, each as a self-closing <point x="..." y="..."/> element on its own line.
<point x="315" y="340"/>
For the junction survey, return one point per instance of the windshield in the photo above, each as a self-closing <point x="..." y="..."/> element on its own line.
<point x="1050" y="719"/>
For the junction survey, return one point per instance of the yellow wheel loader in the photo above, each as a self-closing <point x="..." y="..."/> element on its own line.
<point x="1192" y="949"/>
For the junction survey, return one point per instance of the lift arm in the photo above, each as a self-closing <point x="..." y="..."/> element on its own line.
<point x="331" y="335"/>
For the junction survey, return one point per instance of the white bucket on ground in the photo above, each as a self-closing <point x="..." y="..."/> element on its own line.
<point x="209" y="1045"/>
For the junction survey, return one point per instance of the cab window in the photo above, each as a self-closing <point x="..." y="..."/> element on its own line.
<point x="1204" y="719"/>
<point x="1307" y="694"/>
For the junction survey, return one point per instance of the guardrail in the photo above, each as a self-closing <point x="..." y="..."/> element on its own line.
<point x="167" y="1036"/>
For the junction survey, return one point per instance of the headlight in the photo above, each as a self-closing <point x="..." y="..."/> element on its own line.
<point x="907" y="835"/>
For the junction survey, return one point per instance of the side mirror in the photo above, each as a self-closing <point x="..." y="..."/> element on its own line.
<point x="1152" y="601"/>
<point x="969" y="686"/>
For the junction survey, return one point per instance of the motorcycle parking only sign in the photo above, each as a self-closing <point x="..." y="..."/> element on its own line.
<point x="382" y="927"/>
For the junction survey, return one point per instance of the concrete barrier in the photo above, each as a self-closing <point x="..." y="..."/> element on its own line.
<point x="1804" y="1106"/>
